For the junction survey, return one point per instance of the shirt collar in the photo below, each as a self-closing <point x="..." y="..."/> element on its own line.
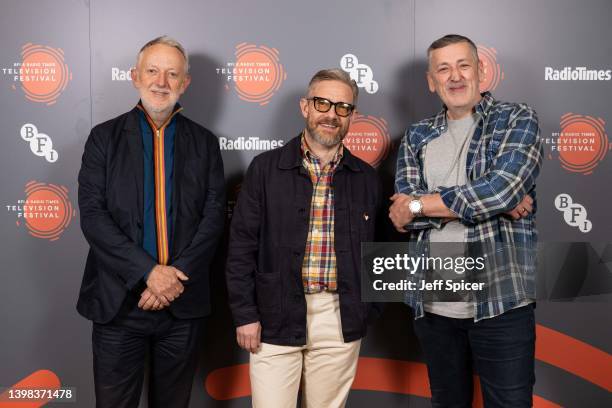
<point x="177" y="109"/>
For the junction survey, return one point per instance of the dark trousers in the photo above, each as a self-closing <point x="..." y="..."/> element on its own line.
<point x="500" y="349"/>
<point x="119" y="350"/>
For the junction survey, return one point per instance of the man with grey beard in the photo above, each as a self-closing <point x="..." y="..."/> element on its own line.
<point x="152" y="202"/>
<point x="294" y="255"/>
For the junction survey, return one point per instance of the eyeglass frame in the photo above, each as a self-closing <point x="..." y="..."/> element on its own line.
<point x="334" y="104"/>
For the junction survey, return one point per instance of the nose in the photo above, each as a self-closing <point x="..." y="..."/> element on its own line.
<point x="455" y="74"/>
<point x="331" y="113"/>
<point x="161" y="80"/>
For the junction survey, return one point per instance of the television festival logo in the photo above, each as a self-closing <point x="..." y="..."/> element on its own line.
<point x="42" y="73"/>
<point x="581" y="144"/>
<point x="362" y="74"/>
<point x="45" y="212"/>
<point x="493" y="74"/>
<point x="574" y="214"/>
<point x="256" y="73"/>
<point x="40" y="144"/>
<point x="368" y="138"/>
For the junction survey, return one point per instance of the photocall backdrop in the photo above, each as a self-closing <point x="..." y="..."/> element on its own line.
<point x="65" y="67"/>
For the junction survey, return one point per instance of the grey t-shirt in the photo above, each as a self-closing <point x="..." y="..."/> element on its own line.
<point x="445" y="166"/>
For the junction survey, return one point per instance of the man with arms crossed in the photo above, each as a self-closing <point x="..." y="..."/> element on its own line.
<point x="152" y="200"/>
<point x="293" y="269"/>
<point x="468" y="175"/>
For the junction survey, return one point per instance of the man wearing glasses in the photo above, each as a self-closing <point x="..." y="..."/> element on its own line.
<point x="294" y="255"/>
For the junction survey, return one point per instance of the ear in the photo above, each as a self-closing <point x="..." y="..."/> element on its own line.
<point x="134" y="76"/>
<point x="430" y="82"/>
<point x="186" y="83"/>
<point x="481" y="71"/>
<point x="304" y="107"/>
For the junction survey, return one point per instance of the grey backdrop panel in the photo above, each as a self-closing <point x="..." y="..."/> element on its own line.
<point x="41" y="278"/>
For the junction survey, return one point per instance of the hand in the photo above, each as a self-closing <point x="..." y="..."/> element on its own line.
<point x="249" y="336"/>
<point x="399" y="213"/>
<point x="148" y="301"/>
<point x="523" y="209"/>
<point x="165" y="283"/>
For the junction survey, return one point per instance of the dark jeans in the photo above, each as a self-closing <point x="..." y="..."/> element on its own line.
<point x="119" y="350"/>
<point x="500" y="349"/>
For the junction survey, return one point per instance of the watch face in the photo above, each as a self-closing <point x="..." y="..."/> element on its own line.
<point x="415" y="206"/>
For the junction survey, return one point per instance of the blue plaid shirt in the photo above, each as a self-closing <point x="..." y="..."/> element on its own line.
<point x="504" y="159"/>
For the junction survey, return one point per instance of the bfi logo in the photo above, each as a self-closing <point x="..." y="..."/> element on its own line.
<point x="40" y="144"/>
<point x="360" y="73"/>
<point x="574" y="214"/>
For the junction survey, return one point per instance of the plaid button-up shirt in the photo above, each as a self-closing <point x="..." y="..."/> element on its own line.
<point x="504" y="159"/>
<point x="319" y="267"/>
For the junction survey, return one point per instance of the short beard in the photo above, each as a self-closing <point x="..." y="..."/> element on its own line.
<point x="326" y="141"/>
<point x="153" y="109"/>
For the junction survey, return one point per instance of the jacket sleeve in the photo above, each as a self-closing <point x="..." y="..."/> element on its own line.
<point x="243" y="249"/>
<point x="114" y="251"/>
<point x="511" y="176"/>
<point x="199" y="253"/>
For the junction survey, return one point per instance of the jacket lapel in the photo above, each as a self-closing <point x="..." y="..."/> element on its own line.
<point x="181" y="137"/>
<point x="133" y="134"/>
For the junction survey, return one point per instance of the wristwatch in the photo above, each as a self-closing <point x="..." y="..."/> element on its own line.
<point x="416" y="207"/>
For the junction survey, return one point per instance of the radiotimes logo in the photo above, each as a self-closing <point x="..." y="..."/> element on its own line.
<point x="249" y="143"/>
<point x="42" y="73"/>
<point x="493" y="73"/>
<point x="574" y="214"/>
<point x="368" y="139"/>
<point x="577" y="74"/>
<point x="256" y="73"/>
<point x="118" y="74"/>
<point x="581" y="144"/>
<point x="40" y="144"/>
<point x="362" y="74"/>
<point x="45" y="212"/>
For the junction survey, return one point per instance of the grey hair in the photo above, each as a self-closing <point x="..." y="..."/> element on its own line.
<point x="335" y="74"/>
<point x="169" y="41"/>
<point x="451" y="39"/>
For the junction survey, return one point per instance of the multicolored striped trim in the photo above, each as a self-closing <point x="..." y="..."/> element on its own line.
<point x="161" y="221"/>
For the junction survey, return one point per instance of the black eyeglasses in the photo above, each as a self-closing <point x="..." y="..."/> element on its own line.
<point x="324" y="105"/>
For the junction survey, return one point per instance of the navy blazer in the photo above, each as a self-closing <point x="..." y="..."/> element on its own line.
<point x="111" y="208"/>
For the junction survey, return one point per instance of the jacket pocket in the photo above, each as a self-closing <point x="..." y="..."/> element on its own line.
<point x="268" y="291"/>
